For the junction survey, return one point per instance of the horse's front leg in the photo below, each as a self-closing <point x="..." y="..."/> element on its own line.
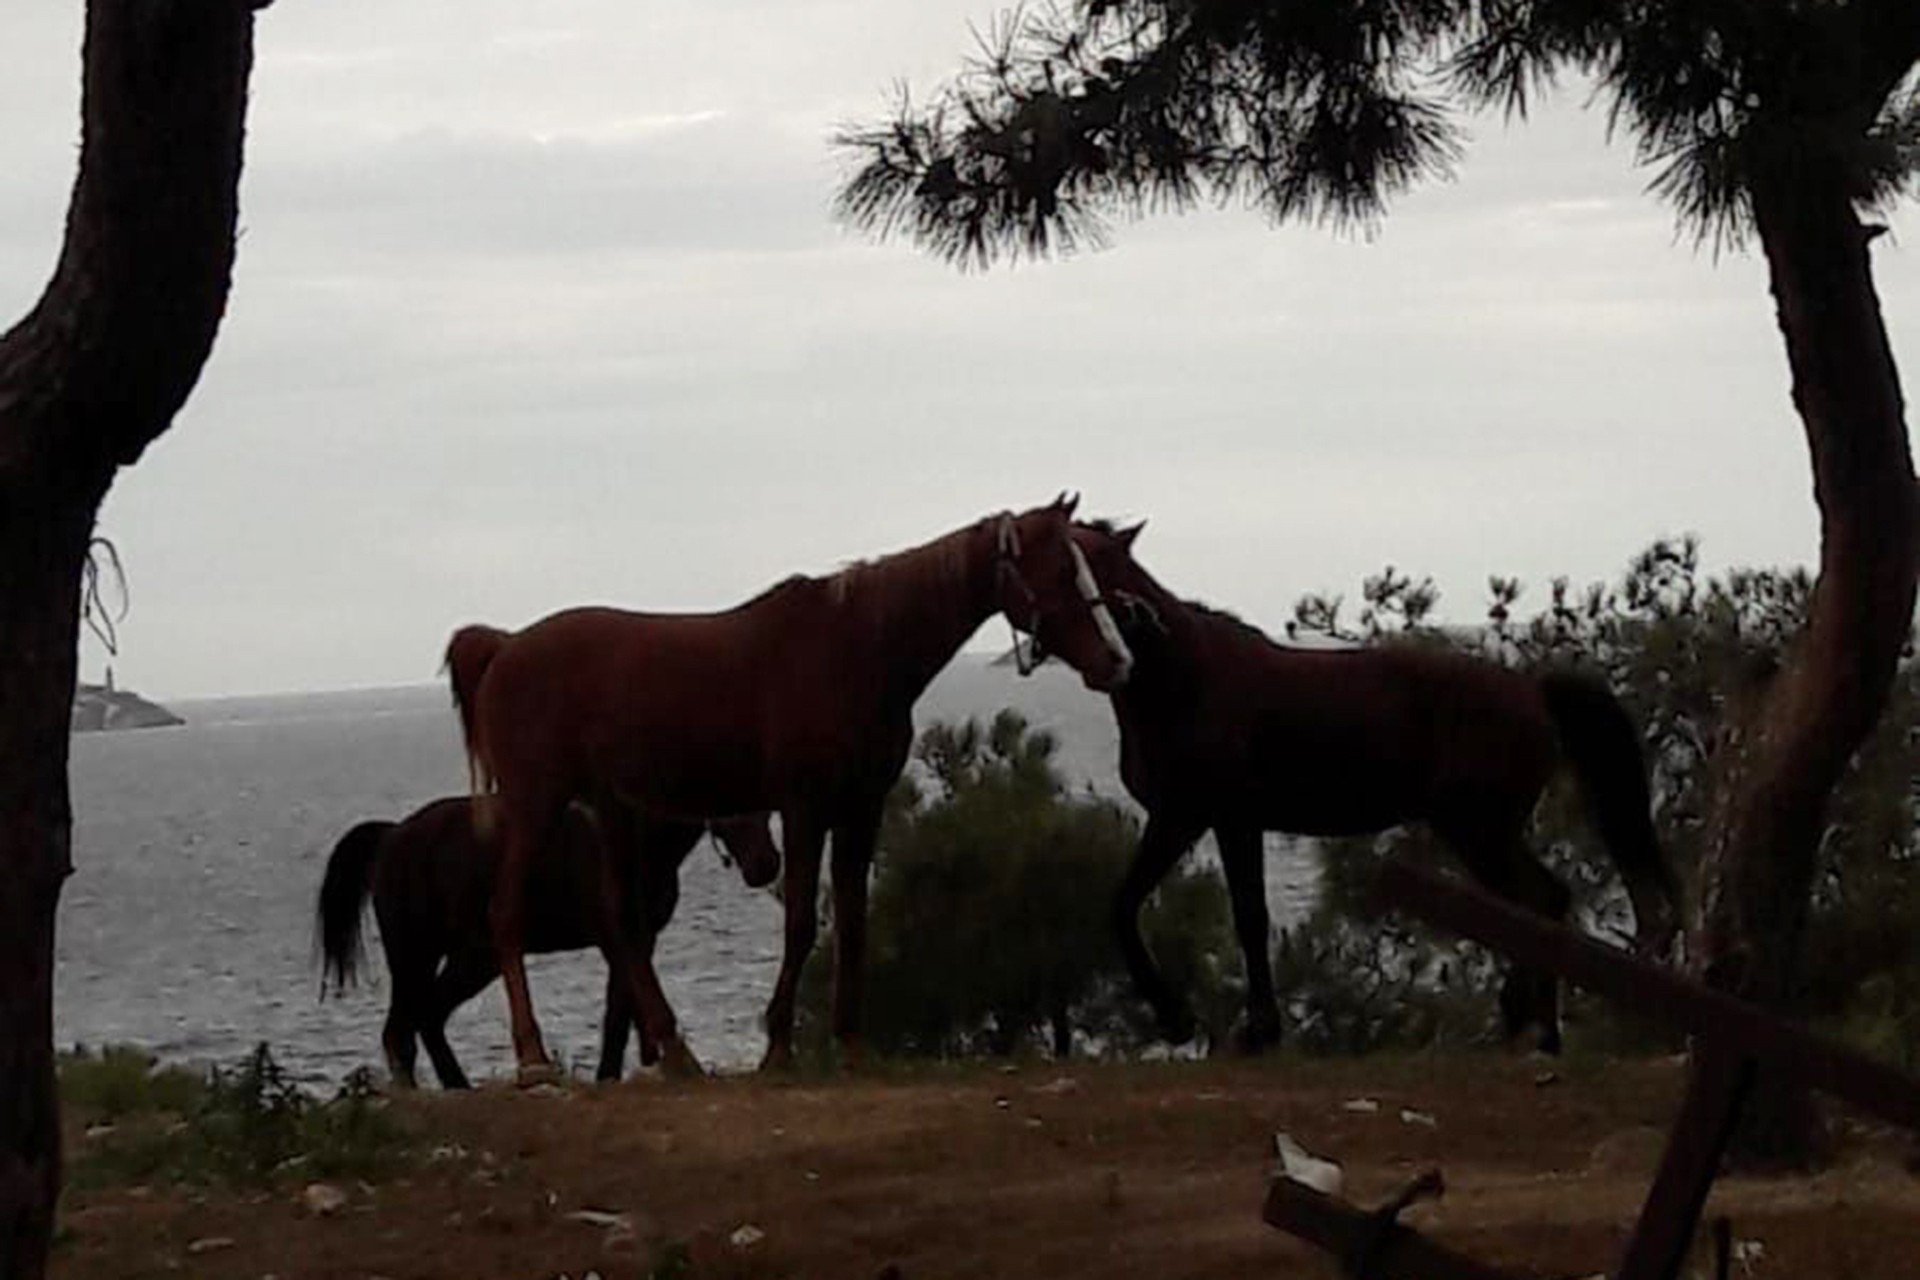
<point x="800" y="892"/>
<point x="853" y="842"/>
<point x="1162" y="844"/>
<point x="615" y="1020"/>
<point x="1243" y="858"/>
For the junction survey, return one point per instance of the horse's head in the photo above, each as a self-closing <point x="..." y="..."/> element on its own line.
<point x="1128" y="590"/>
<point x="1048" y="591"/>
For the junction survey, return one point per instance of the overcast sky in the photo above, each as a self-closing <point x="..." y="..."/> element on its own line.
<point x="539" y="305"/>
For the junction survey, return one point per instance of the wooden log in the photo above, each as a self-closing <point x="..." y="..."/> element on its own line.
<point x="1368" y="1239"/>
<point x="1718" y="1088"/>
<point x="1736" y="1027"/>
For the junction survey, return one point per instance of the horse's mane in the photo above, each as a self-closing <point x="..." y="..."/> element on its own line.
<point x="880" y="588"/>
<point x="786" y="586"/>
<point x="1207" y="612"/>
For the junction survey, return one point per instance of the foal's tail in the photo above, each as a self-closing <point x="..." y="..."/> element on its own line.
<point x="344" y="891"/>
<point x="1604" y="749"/>
<point x="469" y="653"/>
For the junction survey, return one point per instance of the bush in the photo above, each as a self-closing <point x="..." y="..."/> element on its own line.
<point x="1686" y="653"/>
<point x="989" y="919"/>
<point x="247" y="1126"/>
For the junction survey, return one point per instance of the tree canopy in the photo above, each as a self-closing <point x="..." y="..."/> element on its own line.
<point x="1323" y="110"/>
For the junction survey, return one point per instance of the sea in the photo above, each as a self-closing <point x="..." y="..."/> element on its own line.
<point x="187" y="927"/>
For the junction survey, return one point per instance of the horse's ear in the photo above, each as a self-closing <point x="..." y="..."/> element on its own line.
<point x="1127" y="536"/>
<point x="1066" y="502"/>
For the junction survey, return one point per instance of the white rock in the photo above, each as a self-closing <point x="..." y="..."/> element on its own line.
<point x="1297" y="1164"/>
<point x="323" y="1201"/>
<point x="746" y="1236"/>
<point x="1360" y="1106"/>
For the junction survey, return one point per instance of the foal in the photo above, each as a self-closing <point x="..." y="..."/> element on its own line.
<point x="431" y="880"/>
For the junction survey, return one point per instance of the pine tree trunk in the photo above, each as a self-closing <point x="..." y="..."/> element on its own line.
<point x="87" y="380"/>
<point x="1780" y="766"/>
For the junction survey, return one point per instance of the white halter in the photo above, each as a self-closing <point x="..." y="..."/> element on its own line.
<point x="1025" y="659"/>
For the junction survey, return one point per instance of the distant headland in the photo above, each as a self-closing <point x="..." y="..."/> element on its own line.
<point x="101" y="707"/>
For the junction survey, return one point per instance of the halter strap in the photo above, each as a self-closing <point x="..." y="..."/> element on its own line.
<point x="1006" y="541"/>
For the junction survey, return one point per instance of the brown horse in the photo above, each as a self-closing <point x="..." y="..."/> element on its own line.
<point x="1222" y="729"/>
<point x="798" y="701"/>
<point x="431" y="880"/>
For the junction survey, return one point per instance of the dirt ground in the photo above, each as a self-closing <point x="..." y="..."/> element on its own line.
<point x="983" y="1172"/>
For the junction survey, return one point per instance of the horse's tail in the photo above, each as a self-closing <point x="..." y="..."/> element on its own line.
<point x="469" y="653"/>
<point x="1603" y="747"/>
<point x="344" y="890"/>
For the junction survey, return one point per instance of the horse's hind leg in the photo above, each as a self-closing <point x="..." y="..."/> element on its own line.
<point x="616" y="1019"/>
<point x="526" y="830"/>
<point x="1498" y="858"/>
<point x="1243" y="857"/>
<point x="801" y="893"/>
<point x="853" y="842"/>
<point x="1164" y="842"/>
<point x="410" y="974"/>
<point x="397" y="1039"/>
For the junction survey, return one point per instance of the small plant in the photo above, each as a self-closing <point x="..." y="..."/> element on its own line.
<point x="112" y="1083"/>
<point x="247" y="1126"/>
<point x="990" y="926"/>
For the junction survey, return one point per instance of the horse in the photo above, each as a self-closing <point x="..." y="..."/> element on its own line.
<point x="798" y="701"/>
<point x="1223" y="729"/>
<point x="431" y="880"/>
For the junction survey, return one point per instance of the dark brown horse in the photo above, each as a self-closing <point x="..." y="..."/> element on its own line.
<point x="1222" y="729"/>
<point x="799" y="701"/>
<point x="431" y="880"/>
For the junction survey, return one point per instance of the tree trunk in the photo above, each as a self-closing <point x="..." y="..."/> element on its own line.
<point x="1782" y="762"/>
<point x="92" y="375"/>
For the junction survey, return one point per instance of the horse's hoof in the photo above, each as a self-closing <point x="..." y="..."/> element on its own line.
<point x="678" y="1062"/>
<point x="1179" y="1029"/>
<point x="531" y="1075"/>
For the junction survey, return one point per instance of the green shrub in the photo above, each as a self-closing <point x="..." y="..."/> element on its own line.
<point x="247" y="1126"/>
<point x="989" y="917"/>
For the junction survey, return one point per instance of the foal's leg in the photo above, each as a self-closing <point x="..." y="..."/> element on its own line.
<point x="853" y="842"/>
<point x="410" y="965"/>
<point x="660" y="849"/>
<point x="1162" y="844"/>
<point x="1243" y="857"/>
<point x="621" y="848"/>
<point x="801" y="894"/>
<point x="465" y="976"/>
<point x="397" y="1035"/>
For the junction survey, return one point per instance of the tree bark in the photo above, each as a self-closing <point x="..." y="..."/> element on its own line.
<point x="1781" y="763"/>
<point x="88" y="379"/>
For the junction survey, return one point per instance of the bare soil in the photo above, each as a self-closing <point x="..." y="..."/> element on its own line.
<point x="981" y="1172"/>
